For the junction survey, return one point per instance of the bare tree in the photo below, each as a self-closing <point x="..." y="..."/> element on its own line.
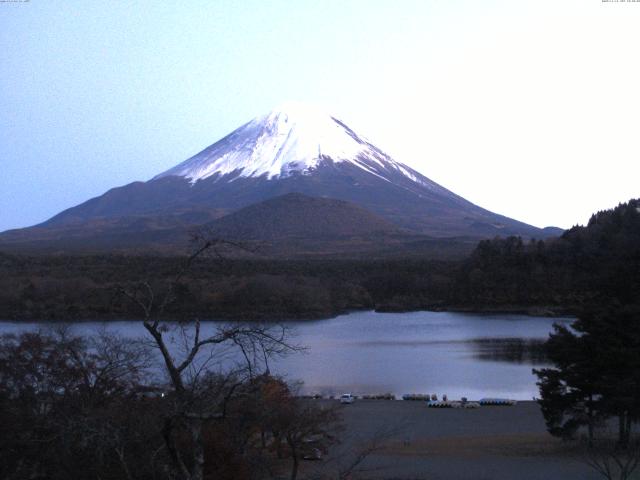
<point x="377" y="442"/>
<point x="352" y="462"/>
<point x="307" y="429"/>
<point x="612" y="461"/>
<point x="199" y="397"/>
<point x="70" y="404"/>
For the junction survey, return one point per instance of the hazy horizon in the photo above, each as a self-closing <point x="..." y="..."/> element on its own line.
<point x="526" y="109"/>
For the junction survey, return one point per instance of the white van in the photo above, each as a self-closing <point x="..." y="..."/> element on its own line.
<point x="346" y="398"/>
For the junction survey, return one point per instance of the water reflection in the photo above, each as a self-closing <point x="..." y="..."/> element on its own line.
<point x="458" y="354"/>
<point x="529" y="351"/>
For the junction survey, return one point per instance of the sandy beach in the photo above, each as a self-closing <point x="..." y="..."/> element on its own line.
<point x="417" y="442"/>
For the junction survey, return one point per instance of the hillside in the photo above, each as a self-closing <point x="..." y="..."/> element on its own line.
<point x="301" y="216"/>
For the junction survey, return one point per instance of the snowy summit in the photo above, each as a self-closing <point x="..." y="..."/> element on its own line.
<point x="293" y="138"/>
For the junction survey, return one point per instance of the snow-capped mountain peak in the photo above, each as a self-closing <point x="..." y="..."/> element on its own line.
<point x="293" y="138"/>
<point x="296" y="148"/>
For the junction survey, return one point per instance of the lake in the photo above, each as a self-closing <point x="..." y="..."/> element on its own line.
<point x="458" y="354"/>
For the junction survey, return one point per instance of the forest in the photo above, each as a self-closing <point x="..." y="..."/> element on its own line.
<point x="553" y="277"/>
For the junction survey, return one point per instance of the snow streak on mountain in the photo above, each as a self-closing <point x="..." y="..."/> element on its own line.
<point x="292" y="139"/>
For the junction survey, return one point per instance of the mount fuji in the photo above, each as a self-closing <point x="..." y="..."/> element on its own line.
<point x="293" y="149"/>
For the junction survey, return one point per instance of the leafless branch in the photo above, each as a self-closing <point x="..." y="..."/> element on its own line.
<point x="612" y="461"/>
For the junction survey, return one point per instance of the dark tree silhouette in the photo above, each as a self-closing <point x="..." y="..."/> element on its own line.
<point x="596" y="374"/>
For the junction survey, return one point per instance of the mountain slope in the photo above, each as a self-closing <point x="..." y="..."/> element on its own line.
<point x="292" y="149"/>
<point x="300" y="216"/>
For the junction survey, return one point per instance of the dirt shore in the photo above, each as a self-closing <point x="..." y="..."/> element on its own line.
<point x="415" y="442"/>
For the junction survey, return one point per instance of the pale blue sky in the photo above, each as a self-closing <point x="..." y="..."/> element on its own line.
<point x="527" y="108"/>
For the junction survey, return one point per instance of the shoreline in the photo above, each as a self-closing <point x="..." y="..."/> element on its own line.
<point x="532" y="311"/>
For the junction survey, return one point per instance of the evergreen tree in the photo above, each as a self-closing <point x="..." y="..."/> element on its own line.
<point x="596" y="374"/>
<point x="571" y="392"/>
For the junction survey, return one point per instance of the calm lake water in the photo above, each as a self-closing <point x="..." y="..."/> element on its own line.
<point x="456" y="354"/>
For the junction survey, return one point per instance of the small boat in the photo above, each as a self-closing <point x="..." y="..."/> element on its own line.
<point x="452" y="404"/>
<point x="497" y="402"/>
<point x="415" y="396"/>
<point x="379" y="396"/>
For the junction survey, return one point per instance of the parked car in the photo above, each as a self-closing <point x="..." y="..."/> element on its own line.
<point x="313" y="454"/>
<point x="347" y="398"/>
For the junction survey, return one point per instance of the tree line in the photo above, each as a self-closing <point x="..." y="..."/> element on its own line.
<point x="556" y="276"/>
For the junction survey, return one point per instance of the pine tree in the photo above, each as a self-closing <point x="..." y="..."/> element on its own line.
<point x="596" y="374"/>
